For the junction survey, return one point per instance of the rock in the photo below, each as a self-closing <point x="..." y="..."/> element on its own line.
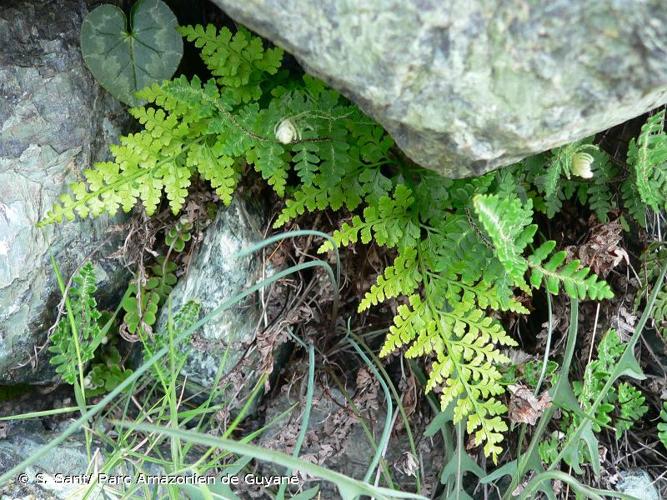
<point x="470" y="85"/>
<point x="66" y="472"/>
<point x="336" y="438"/>
<point x="213" y="276"/>
<point x="69" y="458"/>
<point x="637" y="483"/>
<point x="54" y="122"/>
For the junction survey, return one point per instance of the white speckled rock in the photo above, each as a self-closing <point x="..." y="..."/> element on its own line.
<point x="638" y="483"/>
<point x="54" y="121"/>
<point x="214" y="275"/>
<point x="465" y="86"/>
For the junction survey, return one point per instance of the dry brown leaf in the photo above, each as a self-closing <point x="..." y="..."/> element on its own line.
<point x="407" y="464"/>
<point x="524" y="407"/>
<point x="602" y="252"/>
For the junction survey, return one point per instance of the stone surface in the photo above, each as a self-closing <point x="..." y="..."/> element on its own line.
<point x="213" y="276"/>
<point x="69" y="459"/>
<point x="638" y="483"/>
<point x="26" y="438"/>
<point x="54" y="121"/>
<point x="465" y="86"/>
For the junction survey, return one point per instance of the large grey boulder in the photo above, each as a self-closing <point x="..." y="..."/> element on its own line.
<point x="54" y="121"/>
<point x="465" y="86"/>
<point x="225" y="344"/>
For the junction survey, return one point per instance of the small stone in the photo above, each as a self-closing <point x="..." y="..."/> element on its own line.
<point x="637" y="483"/>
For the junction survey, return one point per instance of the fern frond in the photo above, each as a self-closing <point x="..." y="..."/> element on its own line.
<point x="216" y="167"/>
<point x="239" y="61"/>
<point x="401" y="278"/>
<point x="648" y="157"/>
<point x="390" y="223"/>
<point x="86" y="317"/>
<point x="632" y="407"/>
<point x="508" y="224"/>
<point x="269" y="161"/>
<point x="577" y="281"/>
<point x="465" y="368"/>
<point x="662" y="426"/>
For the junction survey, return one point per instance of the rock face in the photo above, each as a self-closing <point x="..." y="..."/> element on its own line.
<point x="466" y="86"/>
<point x="213" y="276"/>
<point x="24" y="439"/>
<point x="54" y="121"/>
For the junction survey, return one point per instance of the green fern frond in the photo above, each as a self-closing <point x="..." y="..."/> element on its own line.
<point x="632" y="202"/>
<point x="508" y="224"/>
<point x="466" y="359"/>
<point x="662" y="426"/>
<point x="577" y="281"/>
<point x="86" y="318"/>
<point x="572" y="159"/>
<point x="400" y="279"/>
<point x="648" y="157"/>
<point x="632" y="407"/>
<point x="389" y="223"/>
<point x="239" y="61"/>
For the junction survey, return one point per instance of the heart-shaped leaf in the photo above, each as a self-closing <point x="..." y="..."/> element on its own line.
<point x="125" y="58"/>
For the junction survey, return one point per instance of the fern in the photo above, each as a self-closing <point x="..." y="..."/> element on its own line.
<point x="662" y="426"/>
<point x="620" y="409"/>
<point x="462" y="247"/>
<point x="184" y="318"/>
<point x="648" y="157"/>
<point x="238" y="61"/>
<point x="652" y="259"/>
<point x="507" y="222"/>
<point x="572" y="159"/>
<point x="67" y="352"/>
<point x="190" y="128"/>
<point x="178" y="235"/>
<point x="632" y="407"/>
<point x="107" y="373"/>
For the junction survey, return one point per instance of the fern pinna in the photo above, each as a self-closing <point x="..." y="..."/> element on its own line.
<point x="462" y="247"/>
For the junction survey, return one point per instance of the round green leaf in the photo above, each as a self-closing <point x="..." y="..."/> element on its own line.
<point x="125" y="58"/>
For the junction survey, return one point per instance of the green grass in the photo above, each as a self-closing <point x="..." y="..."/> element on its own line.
<point x="149" y="424"/>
